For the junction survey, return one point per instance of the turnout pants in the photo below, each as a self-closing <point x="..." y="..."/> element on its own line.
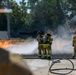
<point x="46" y="50"/>
<point x="40" y="48"/>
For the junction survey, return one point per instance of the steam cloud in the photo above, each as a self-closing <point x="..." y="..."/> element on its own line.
<point x="62" y="41"/>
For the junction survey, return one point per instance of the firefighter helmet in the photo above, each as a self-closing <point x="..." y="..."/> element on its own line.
<point x="48" y="33"/>
<point x="40" y="33"/>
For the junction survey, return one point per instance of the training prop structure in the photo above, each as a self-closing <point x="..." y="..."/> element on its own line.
<point x="5" y="10"/>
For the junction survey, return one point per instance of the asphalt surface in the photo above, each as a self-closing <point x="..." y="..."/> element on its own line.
<point x="55" y="56"/>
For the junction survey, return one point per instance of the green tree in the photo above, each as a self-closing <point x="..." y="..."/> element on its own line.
<point x="47" y="13"/>
<point x="15" y="16"/>
<point x="18" y="16"/>
<point x="72" y="7"/>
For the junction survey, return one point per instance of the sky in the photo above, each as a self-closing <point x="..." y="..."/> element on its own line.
<point x="20" y="0"/>
<point x="26" y="1"/>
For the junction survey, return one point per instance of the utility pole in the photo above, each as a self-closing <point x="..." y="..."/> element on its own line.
<point x="8" y="20"/>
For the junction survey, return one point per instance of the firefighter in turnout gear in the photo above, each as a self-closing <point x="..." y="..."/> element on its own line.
<point x="40" y="42"/>
<point x="47" y="45"/>
<point x="74" y="45"/>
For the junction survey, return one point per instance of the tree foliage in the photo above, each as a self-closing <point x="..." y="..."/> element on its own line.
<point x="44" y="14"/>
<point x="47" y="13"/>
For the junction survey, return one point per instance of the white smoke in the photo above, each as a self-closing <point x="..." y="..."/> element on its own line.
<point x="62" y="42"/>
<point x="24" y="48"/>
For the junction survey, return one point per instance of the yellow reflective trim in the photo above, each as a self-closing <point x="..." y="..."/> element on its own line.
<point x="49" y="55"/>
<point x="46" y="45"/>
<point x="40" y="44"/>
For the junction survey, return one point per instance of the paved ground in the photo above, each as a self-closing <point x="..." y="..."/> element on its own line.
<point x="41" y="66"/>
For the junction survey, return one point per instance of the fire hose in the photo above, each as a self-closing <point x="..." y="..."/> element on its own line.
<point x="57" y="69"/>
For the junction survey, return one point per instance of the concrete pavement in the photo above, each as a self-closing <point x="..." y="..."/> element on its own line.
<point x="41" y="66"/>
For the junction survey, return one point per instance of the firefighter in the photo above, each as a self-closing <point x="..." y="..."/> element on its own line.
<point x="47" y="45"/>
<point x="40" y="42"/>
<point x="74" y="45"/>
